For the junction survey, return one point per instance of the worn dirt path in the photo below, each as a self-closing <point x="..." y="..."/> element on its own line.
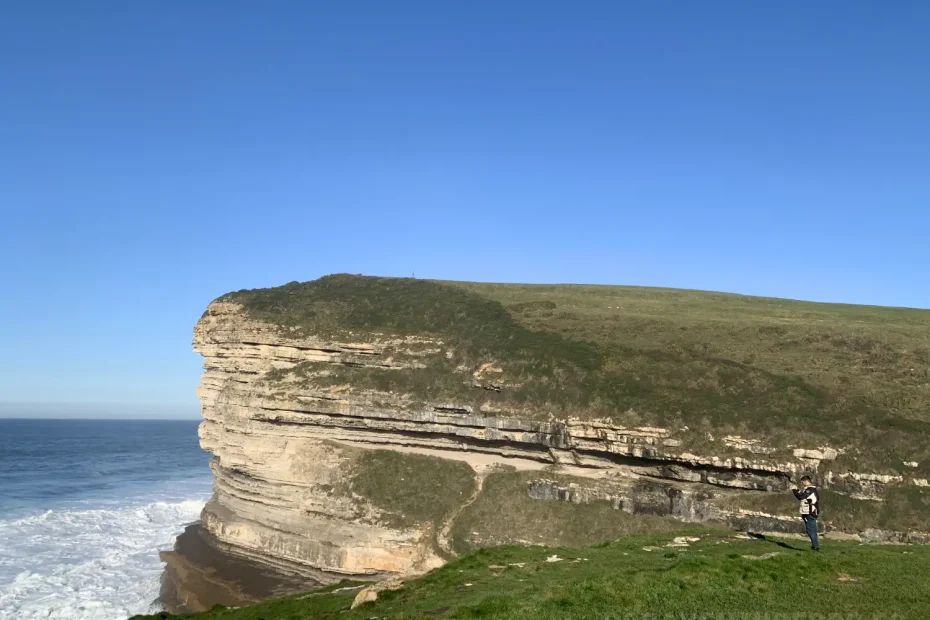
<point x="442" y="539"/>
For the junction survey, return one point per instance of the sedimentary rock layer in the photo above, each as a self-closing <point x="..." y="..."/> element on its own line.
<point x="289" y="445"/>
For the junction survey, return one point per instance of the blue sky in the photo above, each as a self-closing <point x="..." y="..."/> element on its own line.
<point x="156" y="155"/>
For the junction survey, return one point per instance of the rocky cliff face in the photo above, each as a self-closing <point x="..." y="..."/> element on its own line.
<point x="303" y="488"/>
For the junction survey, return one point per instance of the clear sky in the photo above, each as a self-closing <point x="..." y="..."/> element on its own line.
<point x="154" y="155"/>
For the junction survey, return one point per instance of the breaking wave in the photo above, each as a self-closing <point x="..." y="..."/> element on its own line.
<point x="88" y="564"/>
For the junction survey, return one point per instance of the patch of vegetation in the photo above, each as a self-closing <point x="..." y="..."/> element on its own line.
<point x="852" y="376"/>
<point x="716" y="577"/>
<point x="324" y="601"/>
<point x="905" y="508"/>
<point x="411" y="489"/>
<point x="534" y="306"/>
<point x="531" y="521"/>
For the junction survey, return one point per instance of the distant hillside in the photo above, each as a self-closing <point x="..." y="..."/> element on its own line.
<point x="855" y="377"/>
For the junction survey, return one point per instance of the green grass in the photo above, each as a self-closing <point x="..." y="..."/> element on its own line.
<point x="709" y="579"/>
<point x="848" y="376"/>
<point x="410" y="489"/>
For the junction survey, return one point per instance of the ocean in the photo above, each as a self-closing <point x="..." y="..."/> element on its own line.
<point x="85" y="507"/>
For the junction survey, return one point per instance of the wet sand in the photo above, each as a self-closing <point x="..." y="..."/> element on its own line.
<point x="199" y="575"/>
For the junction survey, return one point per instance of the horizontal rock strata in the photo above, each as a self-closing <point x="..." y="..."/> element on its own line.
<point x="285" y="445"/>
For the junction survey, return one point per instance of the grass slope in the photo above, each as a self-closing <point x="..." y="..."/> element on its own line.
<point x="536" y="522"/>
<point x="848" y="376"/>
<point x="718" y="577"/>
<point x="410" y="488"/>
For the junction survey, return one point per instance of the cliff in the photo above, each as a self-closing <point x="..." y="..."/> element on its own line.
<point x="365" y="427"/>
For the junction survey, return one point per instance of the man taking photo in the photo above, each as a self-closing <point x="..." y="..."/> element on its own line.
<point x="810" y="508"/>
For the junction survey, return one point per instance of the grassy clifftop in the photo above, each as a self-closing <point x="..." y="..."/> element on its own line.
<point x="855" y="376"/>
<point x="715" y="575"/>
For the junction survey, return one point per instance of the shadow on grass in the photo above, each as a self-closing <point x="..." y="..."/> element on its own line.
<point x="779" y="543"/>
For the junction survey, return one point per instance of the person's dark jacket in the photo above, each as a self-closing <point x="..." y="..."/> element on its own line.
<point x="810" y="500"/>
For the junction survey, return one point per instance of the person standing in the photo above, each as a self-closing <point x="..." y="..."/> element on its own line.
<point x="810" y="508"/>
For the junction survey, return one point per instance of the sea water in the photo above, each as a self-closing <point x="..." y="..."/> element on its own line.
<point x="85" y="507"/>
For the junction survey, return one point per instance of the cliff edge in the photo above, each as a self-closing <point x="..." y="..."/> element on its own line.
<point x="365" y="427"/>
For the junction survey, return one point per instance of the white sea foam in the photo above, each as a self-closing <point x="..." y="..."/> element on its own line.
<point x="99" y="564"/>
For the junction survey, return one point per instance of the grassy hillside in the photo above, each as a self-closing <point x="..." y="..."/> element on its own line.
<point x="530" y="521"/>
<point x="641" y="577"/>
<point x="853" y="376"/>
<point x="433" y="487"/>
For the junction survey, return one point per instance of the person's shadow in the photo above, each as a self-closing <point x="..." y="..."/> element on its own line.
<point x="781" y="544"/>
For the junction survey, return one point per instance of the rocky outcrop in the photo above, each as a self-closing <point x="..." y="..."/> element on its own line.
<point x="287" y="440"/>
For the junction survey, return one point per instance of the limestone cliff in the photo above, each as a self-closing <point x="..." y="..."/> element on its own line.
<point x="299" y="412"/>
